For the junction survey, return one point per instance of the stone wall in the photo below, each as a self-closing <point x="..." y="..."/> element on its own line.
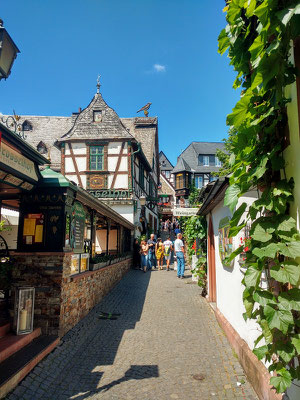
<point x="80" y="293"/>
<point x="61" y="300"/>
<point x="44" y="272"/>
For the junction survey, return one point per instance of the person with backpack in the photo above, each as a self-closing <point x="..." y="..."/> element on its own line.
<point x="168" y="248"/>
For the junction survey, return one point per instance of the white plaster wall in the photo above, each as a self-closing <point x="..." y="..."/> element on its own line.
<point x="121" y="182"/>
<point x="78" y="148"/>
<point x="69" y="165"/>
<point x="123" y="164"/>
<point x="229" y="289"/>
<point x="114" y="147"/>
<point x="81" y="163"/>
<point x="126" y="210"/>
<point x="112" y="163"/>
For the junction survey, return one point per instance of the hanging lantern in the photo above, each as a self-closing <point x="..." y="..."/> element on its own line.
<point x="24" y="310"/>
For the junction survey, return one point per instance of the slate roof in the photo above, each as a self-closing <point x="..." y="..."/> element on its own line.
<point x="144" y="130"/>
<point x="84" y="126"/>
<point x="47" y="129"/>
<point x="188" y="159"/>
<point x="53" y="129"/>
<point x="164" y="163"/>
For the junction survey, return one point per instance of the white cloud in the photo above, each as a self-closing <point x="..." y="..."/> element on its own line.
<point x="159" y="68"/>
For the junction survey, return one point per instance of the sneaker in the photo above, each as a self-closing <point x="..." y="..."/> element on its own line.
<point x="181" y="277"/>
<point x="178" y="276"/>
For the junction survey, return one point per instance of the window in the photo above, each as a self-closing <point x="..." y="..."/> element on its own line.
<point x="198" y="181"/>
<point x="180" y="184"/>
<point x="26" y="126"/>
<point x="218" y="162"/>
<point x="97" y="116"/>
<point x="212" y="178"/>
<point x="142" y="176"/>
<point x="42" y="148"/>
<point x="206" y="161"/>
<point x="206" y="180"/>
<point x="167" y="174"/>
<point x="96" y="158"/>
<point x="150" y="187"/>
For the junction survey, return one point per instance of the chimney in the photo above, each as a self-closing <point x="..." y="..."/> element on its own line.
<point x="79" y="110"/>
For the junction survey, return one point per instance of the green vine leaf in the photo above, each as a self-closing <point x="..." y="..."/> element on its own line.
<point x="252" y="276"/>
<point x="266" y="331"/>
<point x="260" y="234"/>
<point x="286" y="272"/>
<point x="296" y="342"/>
<point x="286" y="351"/>
<point x="280" y="319"/>
<point x="281" y="382"/>
<point x="231" y="196"/>
<point x="286" y="14"/>
<point x="290" y="300"/>
<point x="264" y="297"/>
<point x="261" y="352"/>
<point x="240" y="111"/>
<point x="291" y="249"/>
<point x="268" y="251"/>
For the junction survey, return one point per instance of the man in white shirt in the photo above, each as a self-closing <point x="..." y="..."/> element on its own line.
<point x="168" y="247"/>
<point x="179" y="251"/>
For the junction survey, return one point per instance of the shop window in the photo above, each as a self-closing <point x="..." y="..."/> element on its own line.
<point x="26" y="126"/>
<point x="96" y="158"/>
<point x="42" y="148"/>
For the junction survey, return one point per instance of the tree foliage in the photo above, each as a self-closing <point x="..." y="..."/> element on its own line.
<point x="258" y="39"/>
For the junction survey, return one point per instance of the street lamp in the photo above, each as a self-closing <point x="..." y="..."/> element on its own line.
<point x="8" y="52"/>
<point x="143" y="200"/>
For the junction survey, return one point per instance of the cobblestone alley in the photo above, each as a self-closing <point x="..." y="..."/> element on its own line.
<point x="165" y="335"/>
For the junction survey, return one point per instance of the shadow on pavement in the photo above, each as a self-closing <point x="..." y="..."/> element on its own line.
<point x="134" y="372"/>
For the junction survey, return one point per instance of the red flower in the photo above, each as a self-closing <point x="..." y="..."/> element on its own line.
<point x="246" y="248"/>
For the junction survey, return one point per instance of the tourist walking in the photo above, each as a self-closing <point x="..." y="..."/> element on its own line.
<point x="159" y="253"/>
<point x="151" y="254"/>
<point x="168" y="248"/>
<point x="179" y="251"/>
<point x="144" y="255"/>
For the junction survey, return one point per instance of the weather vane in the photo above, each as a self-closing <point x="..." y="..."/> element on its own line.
<point x="98" y="84"/>
<point x="145" y="109"/>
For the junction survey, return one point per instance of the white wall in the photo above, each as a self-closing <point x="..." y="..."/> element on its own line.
<point x="126" y="210"/>
<point x="229" y="289"/>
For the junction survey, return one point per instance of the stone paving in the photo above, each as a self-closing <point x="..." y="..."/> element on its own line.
<point x="166" y="337"/>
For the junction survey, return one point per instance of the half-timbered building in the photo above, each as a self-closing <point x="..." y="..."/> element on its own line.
<point x="114" y="159"/>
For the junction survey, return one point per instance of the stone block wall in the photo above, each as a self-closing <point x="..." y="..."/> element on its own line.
<point x="44" y="272"/>
<point x="61" y="300"/>
<point x="80" y="293"/>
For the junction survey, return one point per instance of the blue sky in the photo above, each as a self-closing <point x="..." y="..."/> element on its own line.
<point x="162" y="51"/>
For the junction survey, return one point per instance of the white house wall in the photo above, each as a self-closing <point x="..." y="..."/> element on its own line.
<point x="229" y="289"/>
<point x="126" y="210"/>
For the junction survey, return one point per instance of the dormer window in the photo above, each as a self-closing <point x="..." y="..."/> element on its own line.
<point x="42" y="148"/>
<point x="26" y="126"/>
<point x="97" y="115"/>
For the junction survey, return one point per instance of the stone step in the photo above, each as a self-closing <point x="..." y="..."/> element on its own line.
<point x="4" y="329"/>
<point x="12" y="343"/>
<point x="17" y="366"/>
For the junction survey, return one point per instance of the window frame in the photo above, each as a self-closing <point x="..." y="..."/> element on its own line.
<point x="218" y="162"/>
<point x="205" y="156"/>
<point x="96" y="155"/>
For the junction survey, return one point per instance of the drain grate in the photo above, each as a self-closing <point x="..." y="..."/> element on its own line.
<point x="199" y="377"/>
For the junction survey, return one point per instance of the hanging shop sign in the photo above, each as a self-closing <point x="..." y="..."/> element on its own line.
<point x="77" y="227"/>
<point x="33" y="228"/>
<point x="16" y="161"/>
<point x="225" y="242"/>
<point x="184" y="212"/>
<point x="110" y="194"/>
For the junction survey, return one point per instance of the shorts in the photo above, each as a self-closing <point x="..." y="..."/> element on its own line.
<point x="168" y="257"/>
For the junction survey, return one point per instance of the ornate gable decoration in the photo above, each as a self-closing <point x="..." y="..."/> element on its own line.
<point x="97" y="121"/>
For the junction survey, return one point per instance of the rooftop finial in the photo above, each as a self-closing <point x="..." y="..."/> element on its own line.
<point x="98" y="84"/>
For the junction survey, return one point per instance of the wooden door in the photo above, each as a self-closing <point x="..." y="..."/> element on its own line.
<point x="211" y="263"/>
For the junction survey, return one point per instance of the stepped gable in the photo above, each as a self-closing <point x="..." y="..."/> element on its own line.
<point x="85" y="127"/>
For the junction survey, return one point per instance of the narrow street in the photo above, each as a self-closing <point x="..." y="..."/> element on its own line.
<point x="165" y="337"/>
